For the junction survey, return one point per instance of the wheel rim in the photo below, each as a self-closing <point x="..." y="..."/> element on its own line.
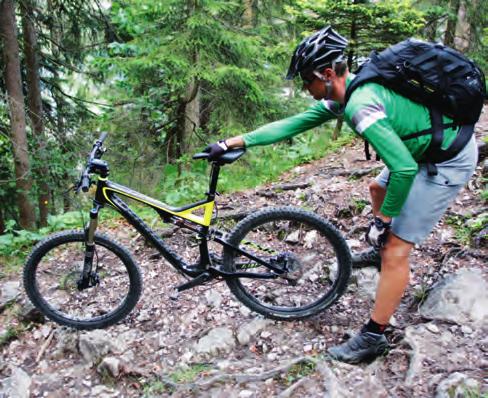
<point x="56" y="278"/>
<point x="301" y="247"/>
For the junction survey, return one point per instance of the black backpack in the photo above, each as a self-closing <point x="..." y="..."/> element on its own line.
<point x="440" y="78"/>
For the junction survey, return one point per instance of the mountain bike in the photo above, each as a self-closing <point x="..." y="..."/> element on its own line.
<point x="282" y="262"/>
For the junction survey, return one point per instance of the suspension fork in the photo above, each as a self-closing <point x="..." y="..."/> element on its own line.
<point x="86" y="275"/>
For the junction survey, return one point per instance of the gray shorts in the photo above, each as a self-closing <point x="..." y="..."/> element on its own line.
<point x="430" y="196"/>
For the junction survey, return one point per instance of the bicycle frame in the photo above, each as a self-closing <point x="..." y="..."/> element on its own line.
<point x="108" y="193"/>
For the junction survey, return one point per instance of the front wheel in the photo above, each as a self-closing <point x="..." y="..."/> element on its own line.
<point x="52" y="274"/>
<point x="313" y="254"/>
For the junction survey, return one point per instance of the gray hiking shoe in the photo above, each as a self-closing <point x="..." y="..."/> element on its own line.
<point x="363" y="347"/>
<point x="367" y="258"/>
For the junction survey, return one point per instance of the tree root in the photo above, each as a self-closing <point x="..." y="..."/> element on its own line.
<point x="45" y="345"/>
<point x="195" y="387"/>
<point x="357" y="173"/>
<point x="415" y="360"/>
<point x="459" y="251"/>
<point x="290" y="390"/>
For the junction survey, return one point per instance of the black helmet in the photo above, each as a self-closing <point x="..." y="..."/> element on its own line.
<point x="317" y="51"/>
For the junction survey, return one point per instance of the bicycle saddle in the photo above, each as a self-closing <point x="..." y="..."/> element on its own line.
<point x="228" y="157"/>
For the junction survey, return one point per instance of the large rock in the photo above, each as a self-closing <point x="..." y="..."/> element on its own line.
<point x="9" y="293"/>
<point x="440" y="348"/>
<point x="461" y="298"/>
<point x="94" y="345"/>
<point x="250" y="329"/>
<point x="456" y="385"/>
<point x="217" y="340"/>
<point x="66" y="342"/>
<point x="30" y="313"/>
<point x="17" y="385"/>
<point x="367" y="282"/>
<point x="110" y="365"/>
<point x="349" y="381"/>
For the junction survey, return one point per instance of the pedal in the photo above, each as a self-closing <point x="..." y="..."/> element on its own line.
<point x="199" y="280"/>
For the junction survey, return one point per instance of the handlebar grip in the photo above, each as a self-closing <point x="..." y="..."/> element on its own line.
<point x="85" y="183"/>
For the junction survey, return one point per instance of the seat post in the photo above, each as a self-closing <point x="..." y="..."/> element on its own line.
<point x="214" y="177"/>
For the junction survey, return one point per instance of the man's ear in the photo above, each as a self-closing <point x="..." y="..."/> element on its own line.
<point x="329" y="73"/>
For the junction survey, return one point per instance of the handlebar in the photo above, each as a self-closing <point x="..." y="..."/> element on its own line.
<point x="96" y="153"/>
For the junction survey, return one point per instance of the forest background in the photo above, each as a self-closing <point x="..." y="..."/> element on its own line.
<point x="167" y="77"/>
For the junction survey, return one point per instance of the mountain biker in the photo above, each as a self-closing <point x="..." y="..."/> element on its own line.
<point x="407" y="201"/>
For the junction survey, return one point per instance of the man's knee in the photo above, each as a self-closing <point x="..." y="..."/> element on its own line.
<point x="396" y="253"/>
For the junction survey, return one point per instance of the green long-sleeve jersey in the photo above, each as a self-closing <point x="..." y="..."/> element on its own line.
<point x="381" y="117"/>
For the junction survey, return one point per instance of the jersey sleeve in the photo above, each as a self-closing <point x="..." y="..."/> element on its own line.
<point x="366" y="115"/>
<point x="291" y="126"/>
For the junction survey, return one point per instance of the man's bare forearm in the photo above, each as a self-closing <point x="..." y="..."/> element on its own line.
<point x="235" y="142"/>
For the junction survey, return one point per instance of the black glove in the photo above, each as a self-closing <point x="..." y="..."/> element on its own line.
<point x="216" y="150"/>
<point x="377" y="233"/>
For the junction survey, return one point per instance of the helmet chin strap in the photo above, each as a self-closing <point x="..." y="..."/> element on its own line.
<point x="328" y="88"/>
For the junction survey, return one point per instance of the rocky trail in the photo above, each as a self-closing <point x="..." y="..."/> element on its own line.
<point x="208" y="344"/>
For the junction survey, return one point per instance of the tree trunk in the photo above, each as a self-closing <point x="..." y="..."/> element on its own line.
<point x="352" y="43"/>
<point x="8" y="33"/>
<point x="34" y="101"/>
<point x="249" y="17"/>
<point x="454" y="6"/>
<point x="57" y="37"/>
<point x="192" y="116"/>
<point x="350" y="59"/>
<point x="463" y="33"/>
<point x="188" y="121"/>
<point x="2" y="222"/>
<point x="337" y="128"/>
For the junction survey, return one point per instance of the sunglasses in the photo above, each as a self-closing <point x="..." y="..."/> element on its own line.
<point x="309" y="77"/>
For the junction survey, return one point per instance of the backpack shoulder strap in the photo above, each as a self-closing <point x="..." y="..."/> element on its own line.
<point x="367" y="72"/>
<point x="434" y="153"/>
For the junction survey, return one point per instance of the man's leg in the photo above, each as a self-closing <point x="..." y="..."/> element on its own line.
<point x="371" y="257"/>
<point x="394" y="277"/>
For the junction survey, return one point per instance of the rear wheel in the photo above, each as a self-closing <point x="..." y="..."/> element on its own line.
<point x="313" y="253"/>
<point x="54" y="267"/>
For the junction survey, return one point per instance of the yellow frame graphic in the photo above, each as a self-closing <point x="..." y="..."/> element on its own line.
<point x="187" y="214"/>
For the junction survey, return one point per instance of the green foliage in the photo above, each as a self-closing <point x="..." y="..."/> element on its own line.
<point x="484" y="195"/>
<point x="190" y="373"/>
<point x="367" y="25"/>
<point x="467" y="227"/>
<point x="358" y="205"/>
<point x="420" y="294"/>
<point x="162" y="50"/>
<point x="9" y="335"/>
<point x="299" y="371"/>
<point x="183" y="375"/>
<point x="17" y="243"/>
<point x="259" y="166"/>
<point x="154" y="388"/>
<point x="467" y="392"/>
